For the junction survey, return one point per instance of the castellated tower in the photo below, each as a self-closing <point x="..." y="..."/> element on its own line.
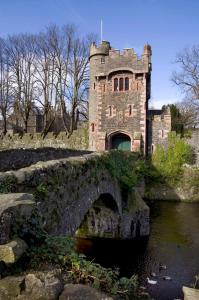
<point x="118" y="100"/>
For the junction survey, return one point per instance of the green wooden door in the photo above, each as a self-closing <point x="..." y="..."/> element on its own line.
<point x="121" y="142"/>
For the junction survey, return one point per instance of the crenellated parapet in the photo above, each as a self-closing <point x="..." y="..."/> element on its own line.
<point x="105" y="58"/>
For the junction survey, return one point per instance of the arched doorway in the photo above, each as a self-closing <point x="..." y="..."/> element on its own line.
<point x="121" y="141"/>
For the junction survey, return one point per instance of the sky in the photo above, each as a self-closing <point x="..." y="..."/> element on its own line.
<point x="167" y="25"/>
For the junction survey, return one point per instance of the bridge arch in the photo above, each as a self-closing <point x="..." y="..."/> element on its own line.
<point x="67" y="210"/>
<point x="102" y="219"/>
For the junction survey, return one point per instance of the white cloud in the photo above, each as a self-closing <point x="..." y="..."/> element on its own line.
<point x="158" y="103"/>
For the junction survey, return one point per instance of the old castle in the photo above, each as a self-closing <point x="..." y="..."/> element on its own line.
<point x="120" y="86"/>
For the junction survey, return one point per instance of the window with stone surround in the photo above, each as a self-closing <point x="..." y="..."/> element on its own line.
<point x="115" y="84"/>
<point x="126" y="83"/>
<point x="92" y="127"/>
<point x="121" y="84"/>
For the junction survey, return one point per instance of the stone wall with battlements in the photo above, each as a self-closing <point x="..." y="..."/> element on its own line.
<point x="78" y="140"/>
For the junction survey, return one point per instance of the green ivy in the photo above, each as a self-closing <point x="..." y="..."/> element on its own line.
<point x="29" y="228"/>
<point x="40" y="191"/>
<point x="7" y="185"/>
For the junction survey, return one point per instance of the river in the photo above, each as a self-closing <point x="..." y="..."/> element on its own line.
<point x="173" y="241"/>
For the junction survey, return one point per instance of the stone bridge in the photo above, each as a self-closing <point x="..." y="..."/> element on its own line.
<point x="73" y="195"/>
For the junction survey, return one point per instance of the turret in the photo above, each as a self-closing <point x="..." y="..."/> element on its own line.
<point x="147" y="50"/>
<point x="102" y="49"/>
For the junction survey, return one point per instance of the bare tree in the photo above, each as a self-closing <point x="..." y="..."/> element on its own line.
<point x="187" y="77"/>
<point x="49" y="70"/>
<point x="61" y="43"/>
<point x="77" y="89"/>
<point x="21" y="53"/>
<point x="45" y="77"/>
<point x="6" y="95"/>
<point x="189" y="113"/>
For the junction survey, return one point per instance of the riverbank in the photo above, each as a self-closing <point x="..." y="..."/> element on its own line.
<point x="185" y="188"/>
<point x="51" y="269"/>
<point x="173" y="242"/>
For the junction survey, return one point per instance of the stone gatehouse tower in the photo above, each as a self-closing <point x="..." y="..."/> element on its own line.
<point x="120" y="84"/>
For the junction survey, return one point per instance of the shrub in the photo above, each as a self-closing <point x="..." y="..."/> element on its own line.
<point x="126" y="167"/>
<point x="169" y="162"/>
<point x="60" y="250"/>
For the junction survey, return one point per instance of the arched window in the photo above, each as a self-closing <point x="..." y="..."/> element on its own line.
<point x="115" y="84"/>
<point x="121" y="84"/>
<point x="92" y="127"/>
<point x="126" y="84"/>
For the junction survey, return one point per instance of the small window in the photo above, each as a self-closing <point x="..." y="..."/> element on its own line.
<point x="92" y="127"/>
<point x="104" y="88"/>
<point x="126" y="84"/>
<point x="94" y="85"/>
<point x="110" y="111"/>
<point x="115" y="84"/>
<point x="130" y="110"/>
<point x="121" y="84"/>
<point x="103" y="60"/>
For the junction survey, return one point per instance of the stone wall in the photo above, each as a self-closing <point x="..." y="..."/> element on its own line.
<point x="13" y="159"/>
<point x="78" y="140"/>
<point x="187" y="188"/>
<point x="159" y="125"/>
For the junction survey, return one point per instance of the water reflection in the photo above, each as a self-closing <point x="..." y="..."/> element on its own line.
<point x="173" y="241"/>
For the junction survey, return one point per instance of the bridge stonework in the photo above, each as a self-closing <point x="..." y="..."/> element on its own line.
<point x="67" y="191"/>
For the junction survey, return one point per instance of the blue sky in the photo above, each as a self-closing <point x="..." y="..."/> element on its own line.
<point x="168" y="25"/>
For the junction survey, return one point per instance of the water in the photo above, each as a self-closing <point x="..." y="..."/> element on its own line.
<point x="173" y="241"/>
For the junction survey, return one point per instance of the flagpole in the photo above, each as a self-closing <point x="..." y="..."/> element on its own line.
<point x="101" y="30"/>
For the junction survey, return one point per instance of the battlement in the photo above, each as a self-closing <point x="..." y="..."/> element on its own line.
<point x="106" y="50"/>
